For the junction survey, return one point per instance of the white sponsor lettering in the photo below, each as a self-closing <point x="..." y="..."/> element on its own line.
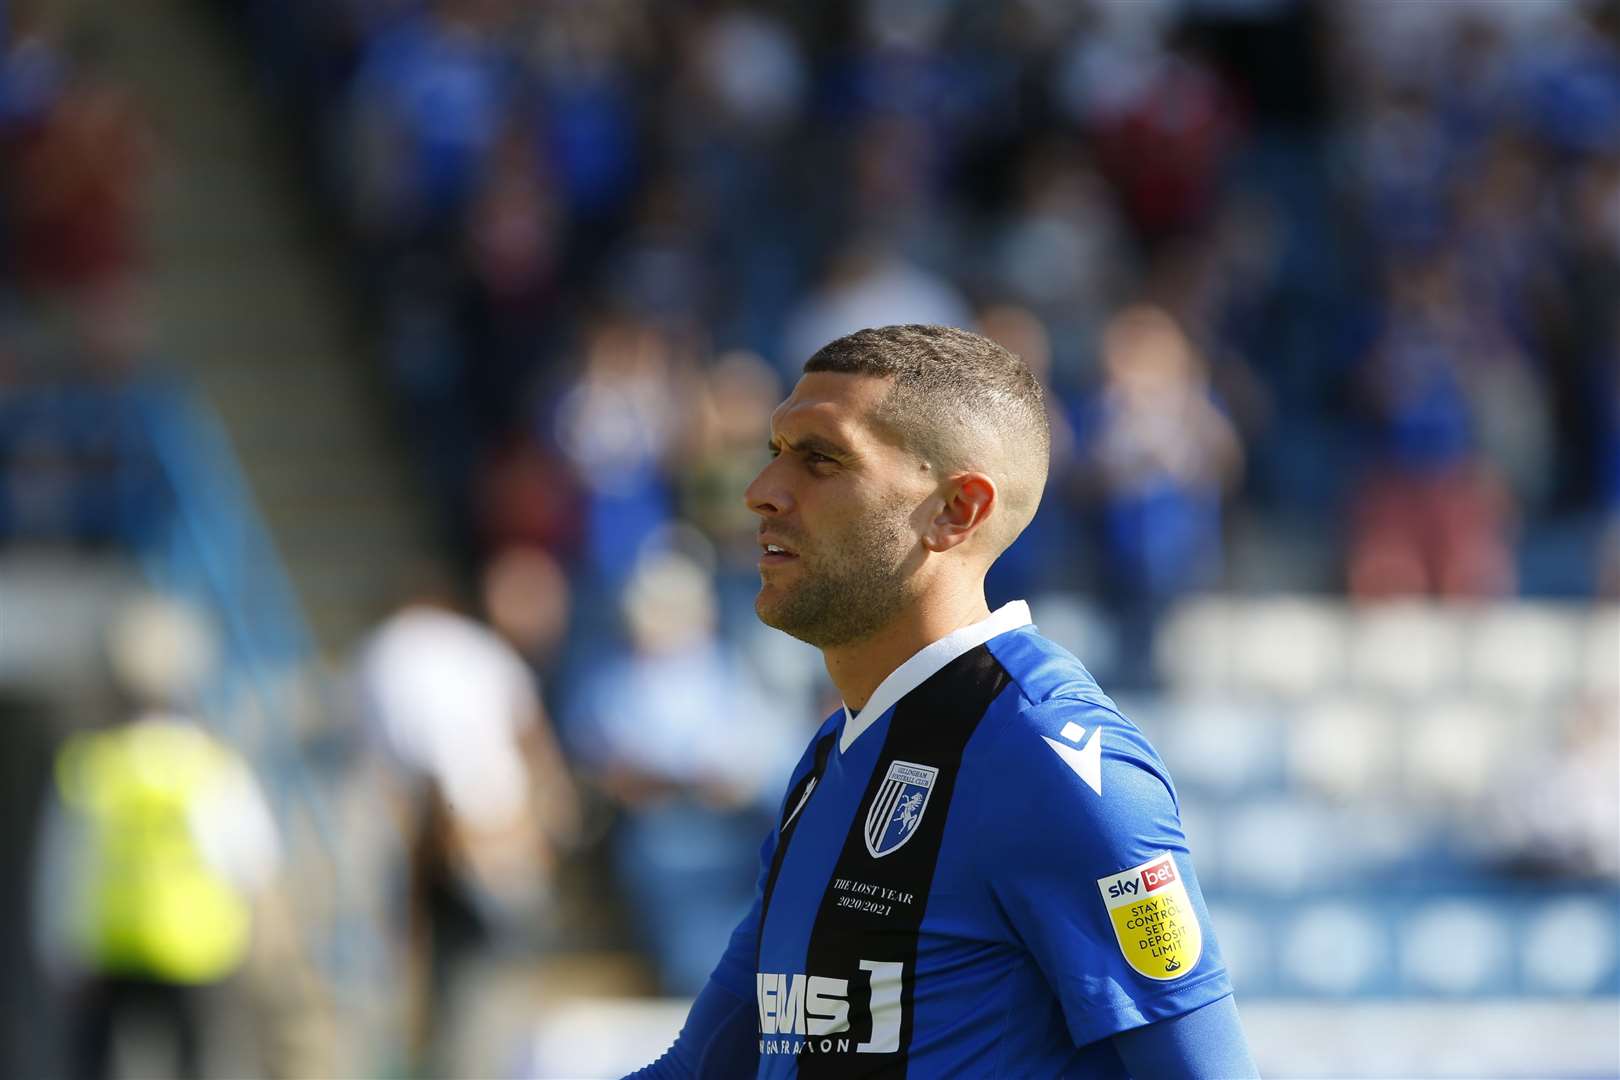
<point x="801" y="1004"/>
<point x="888" y="981"/>
<point x="817" y="1006"/>
<point x="765" y="988"/>
<point x="828" y="1007"/>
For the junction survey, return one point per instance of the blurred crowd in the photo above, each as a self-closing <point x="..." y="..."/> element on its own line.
<point x="1326" y="298"/>
<point x="1352" y="268"/>
<point x="1353" y="264"/>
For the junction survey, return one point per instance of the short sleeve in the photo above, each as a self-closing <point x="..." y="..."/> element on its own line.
<point x="1088" y="864"/>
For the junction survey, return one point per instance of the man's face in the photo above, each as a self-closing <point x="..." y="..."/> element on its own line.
<point x="839" y="505"/>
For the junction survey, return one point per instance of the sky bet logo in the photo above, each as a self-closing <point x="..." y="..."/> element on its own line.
<point x="813" y="1011"/>
<point x="1156" y="876"/>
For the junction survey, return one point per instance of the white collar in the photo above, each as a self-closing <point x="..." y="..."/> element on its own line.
<point x="915" y="671"/>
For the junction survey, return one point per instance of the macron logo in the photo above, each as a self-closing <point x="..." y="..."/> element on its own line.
<point x="1086" y="761"/>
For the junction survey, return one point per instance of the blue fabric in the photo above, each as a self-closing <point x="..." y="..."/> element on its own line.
<point x="718" y="1042"/>
<point x="621" y="515"/>
<point x="1018" y="964"/>
<point x="1205" y="1044"/>
<point x="1428" y="420"/>
<point x="1165" y="537"/>
<point x="1019" y="968"/>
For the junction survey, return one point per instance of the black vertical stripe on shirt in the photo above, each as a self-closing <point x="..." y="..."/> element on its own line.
<point x="931" y="727"/>
<point x="792" y="812"/>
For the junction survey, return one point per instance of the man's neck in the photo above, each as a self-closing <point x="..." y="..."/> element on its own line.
<point x="859" y="668"/>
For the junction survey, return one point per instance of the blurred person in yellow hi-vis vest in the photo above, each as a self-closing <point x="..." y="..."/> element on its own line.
<point x="166" y="841"/>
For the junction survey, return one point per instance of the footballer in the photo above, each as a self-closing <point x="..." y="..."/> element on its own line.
<point x="979" y="868"/>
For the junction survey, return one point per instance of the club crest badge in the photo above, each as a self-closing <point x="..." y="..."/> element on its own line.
<point x="898" y="807"/>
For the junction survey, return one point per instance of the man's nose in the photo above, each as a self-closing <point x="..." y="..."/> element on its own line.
<point x="768" y="496"/>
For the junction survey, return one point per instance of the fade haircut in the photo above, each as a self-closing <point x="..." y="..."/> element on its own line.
<point x="958" y="401"/>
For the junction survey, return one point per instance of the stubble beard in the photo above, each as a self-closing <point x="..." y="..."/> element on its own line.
<point x="852" y="591"/>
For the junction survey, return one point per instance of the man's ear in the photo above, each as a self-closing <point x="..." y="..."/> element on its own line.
<point x="969" y="500"/>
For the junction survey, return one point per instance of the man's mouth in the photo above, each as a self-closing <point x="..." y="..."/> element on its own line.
<point x="773" y="554"/>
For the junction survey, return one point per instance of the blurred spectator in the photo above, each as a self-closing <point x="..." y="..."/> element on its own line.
<point x="1405" y="164"/>
<point x="525" y="592"/>
<point x="430" y="100"/>
<point x="586" y="59"/>
<point x="527" y="495"/>
<point x="1433" y="514"/>
<point x="480" y="795"/>
<point x="723" y="448"/>
<point x="1216" y="286"/>
<point x="678" y="733"/>
<point x="513" y="241"/>
<point x="513" y="249"/>
<point x="1163" y="457"/>
<point x="749" y="69"/>
<point x="161" y="844"/>
<point x="1047" y="553"/>
<point x="615" y="424"/>
<point x="1064" y="250"/>
<point x="660" y="270"/>
<point x="78" y="178"/>
<point x="867" y="284"/>
<point x="1154" y="103"/>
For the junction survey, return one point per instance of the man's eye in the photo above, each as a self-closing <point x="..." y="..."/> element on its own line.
<point x="819" y="459"/>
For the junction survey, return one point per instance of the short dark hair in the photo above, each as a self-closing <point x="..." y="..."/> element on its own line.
<point x="956" y="396"/>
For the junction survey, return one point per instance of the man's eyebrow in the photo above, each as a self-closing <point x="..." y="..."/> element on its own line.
<point x="812" y="444"/>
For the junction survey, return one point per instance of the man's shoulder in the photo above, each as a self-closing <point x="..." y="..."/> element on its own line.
<point x="1059" y="731"/>
<point x="1042" y="668"/>
<point x="1053" y="688"/>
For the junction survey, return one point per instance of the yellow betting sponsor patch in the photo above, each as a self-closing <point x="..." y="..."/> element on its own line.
<point x="1153" y="918"/>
